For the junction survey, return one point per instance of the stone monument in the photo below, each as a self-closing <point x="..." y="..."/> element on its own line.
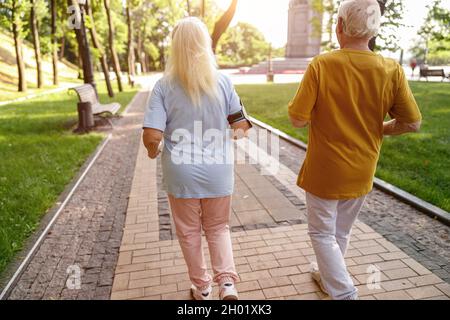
<point x="303" y="43"/>
<point x="304" y="30"/>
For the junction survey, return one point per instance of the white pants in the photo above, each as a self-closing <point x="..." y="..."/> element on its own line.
<point x="330" y="223"/>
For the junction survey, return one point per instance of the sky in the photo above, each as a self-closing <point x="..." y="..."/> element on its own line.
<point x="270" y="17"/>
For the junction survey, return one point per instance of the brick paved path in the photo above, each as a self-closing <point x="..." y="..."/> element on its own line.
<point x="272" y="250"/>
<point x="89" y="230"/>
<point x="126" y="247"/>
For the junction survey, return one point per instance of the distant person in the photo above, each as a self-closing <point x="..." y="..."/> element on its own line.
<point x="190" y="106"/>
<point x="413" y="65"/>
<point x="344" y="97"/>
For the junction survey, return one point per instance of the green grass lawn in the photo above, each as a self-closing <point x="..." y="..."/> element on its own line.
<point x="39" y="156"/>
<point x="418" y="163"/>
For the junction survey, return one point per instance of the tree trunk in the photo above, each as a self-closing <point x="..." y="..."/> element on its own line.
<point x="222" y="24"/>
<point x="373" y="41"/>
<point x="98" y="46"/>
<point x="62" y="48"/>
<point x="83" y="47"/>
<point x="203" y="9"/>
<point x="188" y="3"/>
<point x="22" y="86"/>
<point x="115" y="59"/>
<point x="36" y="43"/>
<point x="131" y="58"/>
<point x="140" y="54"/>
<point x="54" y="42"/>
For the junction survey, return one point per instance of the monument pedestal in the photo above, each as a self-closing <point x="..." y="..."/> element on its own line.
<point x="282" y="66"/>
<point x="304" y="40"/>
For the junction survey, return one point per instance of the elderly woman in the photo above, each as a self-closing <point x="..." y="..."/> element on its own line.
<point x="345" y="97"/>
<point x="191" y="109"/>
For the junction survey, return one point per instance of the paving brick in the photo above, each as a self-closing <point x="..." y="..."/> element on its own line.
<point x="180" y="295"/>
<point x="425" y="280"/>
<point x="274" y="282"/>
<point x="127" y="294"/>
<point x="395" y="285"/>
<point x="161" y="289"/>
<point x="263" y="257"/>
<point x="369" y="290"/>
<point x="252" y="295"/>
<point x="295" y="261"/>
<point x="173" y="270"/>
<point x="301" y="278"/>
<point x="248" y="276"/>
<point x="445" y="288"/>
<point x="393" y="295"/>
<point x="372" y="250"/>
<point x="400" y="273"/>
<point x="121" y="282"/>
<point x="307" y="296"/>
<point x="424" y="292"/>
<point x="248" y="286"/>
<point x="284" y="271"/>
<point x="254" y="244"/>
<point x="417" y="267"/>
<point x="142" y="283"/>
<point x="393" y="255"/>
<point x="145" y="274"/>
<point x="174" y="278"/>
<point x="373" y="258"/>
<point x="288" y="254"/>
<point x="264" y="265"/>
<point x="308" y="287"/>
<point x="277" y="292"/>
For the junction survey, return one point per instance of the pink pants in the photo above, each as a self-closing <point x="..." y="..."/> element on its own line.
<point x="213" y="215"/>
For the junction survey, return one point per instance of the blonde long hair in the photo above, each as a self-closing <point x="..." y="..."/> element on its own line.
<point x="192" y="61"/>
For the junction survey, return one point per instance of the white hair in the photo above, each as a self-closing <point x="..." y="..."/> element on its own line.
<point x="192" y="61"/>
<point x="361" y="18"/>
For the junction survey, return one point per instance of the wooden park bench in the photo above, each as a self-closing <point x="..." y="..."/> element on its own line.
<point x="89" y="106"/>
<point x="425" y="73"/>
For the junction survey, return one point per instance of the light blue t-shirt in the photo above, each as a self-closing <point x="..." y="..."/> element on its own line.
<point x="198" y="158"/>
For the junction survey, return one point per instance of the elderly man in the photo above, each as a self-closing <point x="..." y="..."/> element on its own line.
<point x="345" y="97"/>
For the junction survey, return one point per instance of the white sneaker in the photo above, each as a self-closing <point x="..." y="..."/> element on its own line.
<point x="315" y="274"/>
<point x="201" y="295"/>
<point x="228" y="291"/>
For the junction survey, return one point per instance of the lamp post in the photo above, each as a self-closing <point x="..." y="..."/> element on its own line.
<point x="270" y="75"/>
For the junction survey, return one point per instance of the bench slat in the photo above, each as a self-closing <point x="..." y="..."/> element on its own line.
<point x="87" y="93"/>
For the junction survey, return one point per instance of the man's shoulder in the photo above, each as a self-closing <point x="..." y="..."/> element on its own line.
<point x="338" y="55"/>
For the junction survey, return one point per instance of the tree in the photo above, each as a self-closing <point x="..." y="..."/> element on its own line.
<point x="130" y="41"/>
<point x="54" y="41"/>
<point x="84" y="52"/>
<point x="12" y="14"/>
<point x="97" y="45"/>
<point x="188" y="7"/>
<point x="36" y="6"/>
<point x="241" y="45"/>
<point x="392" y="14"/>
<point x="222" y="24"/>
<point x="433" y="45"/>
<point x="114" y="57"/>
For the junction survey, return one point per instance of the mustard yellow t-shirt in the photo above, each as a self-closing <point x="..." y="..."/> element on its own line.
<point x="346" y="95"/>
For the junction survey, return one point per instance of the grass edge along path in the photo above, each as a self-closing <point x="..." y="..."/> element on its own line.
<point x="417" y="163"/>
<point x="40" y="156"/>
